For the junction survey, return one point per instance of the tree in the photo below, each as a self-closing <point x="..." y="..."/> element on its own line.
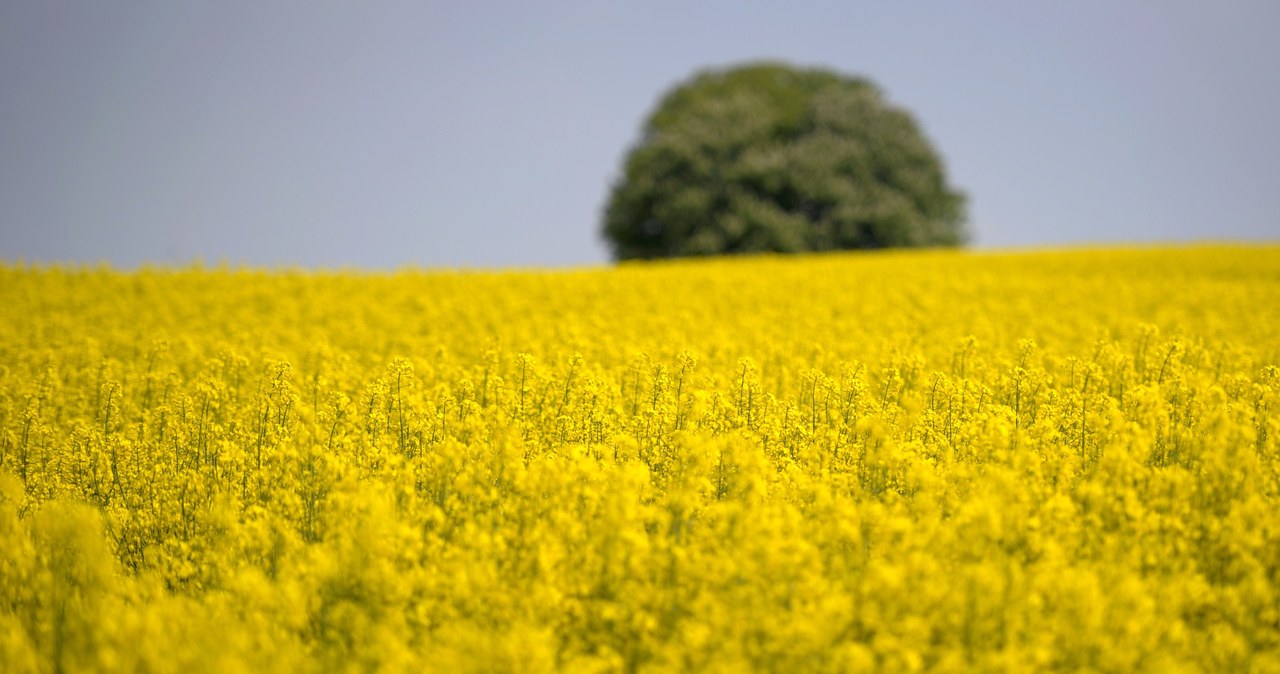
<point x="770" y="158"/>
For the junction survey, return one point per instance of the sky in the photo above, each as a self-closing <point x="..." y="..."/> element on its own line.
<point x="487" y="134"/>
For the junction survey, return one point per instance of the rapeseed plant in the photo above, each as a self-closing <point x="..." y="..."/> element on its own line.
<point x="930" y="461"/>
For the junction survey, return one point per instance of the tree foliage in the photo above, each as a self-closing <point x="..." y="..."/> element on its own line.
<point x="770" y="158"/>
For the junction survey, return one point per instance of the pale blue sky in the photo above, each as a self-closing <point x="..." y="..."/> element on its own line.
<point x="480" y="134"/>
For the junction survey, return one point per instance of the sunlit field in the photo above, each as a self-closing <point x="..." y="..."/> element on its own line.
<point x="883" y="462"/>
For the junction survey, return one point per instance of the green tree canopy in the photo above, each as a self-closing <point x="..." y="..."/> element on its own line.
<point x="770" y="158"/>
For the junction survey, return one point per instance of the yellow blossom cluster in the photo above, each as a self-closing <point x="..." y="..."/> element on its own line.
<point x="889" y="462"/>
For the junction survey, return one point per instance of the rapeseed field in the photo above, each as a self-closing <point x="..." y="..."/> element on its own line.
<point x="888" y="462"/>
